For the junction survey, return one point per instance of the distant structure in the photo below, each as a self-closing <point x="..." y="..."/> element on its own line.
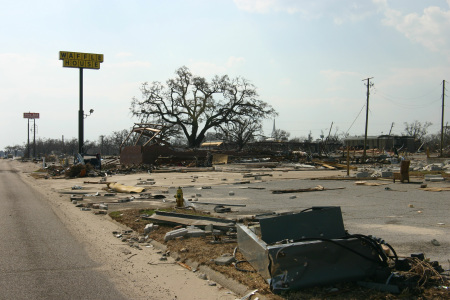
<point x="385" y="142"/>
<point x="274" y="130"/>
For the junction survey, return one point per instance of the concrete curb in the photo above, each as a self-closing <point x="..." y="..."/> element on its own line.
<point x="228" y="283"/>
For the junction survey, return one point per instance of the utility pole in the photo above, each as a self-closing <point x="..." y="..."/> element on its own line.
<point x="369" y="85"/>
<point x="442" y="117"/>
<point x="101" y="144"/>
<point x="390" y="131"/>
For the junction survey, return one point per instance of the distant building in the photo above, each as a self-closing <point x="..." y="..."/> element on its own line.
<point x="382" y="142"/>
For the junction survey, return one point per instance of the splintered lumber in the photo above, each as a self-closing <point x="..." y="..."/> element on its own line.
<point x="436" y="189"/>
<point x="313" y="189"/>
<point x="370" y="183"/>
<point x="120" y="188"/>
<point x="324" y="165"/>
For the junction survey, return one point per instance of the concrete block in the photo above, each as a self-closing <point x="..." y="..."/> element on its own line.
<point x="437" y="179"/>
<point x="362" y="175"/>
<point x="195" y="232"/>
<point x="385" y="174"/>
<point x="150" y="227"/>
<point x="175" y="233"/>
<point x="433" y="178"/>
<point x="224" y="260"/>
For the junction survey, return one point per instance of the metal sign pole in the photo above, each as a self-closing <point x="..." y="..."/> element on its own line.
<point x="34" y="138"/>
<point x="80" y="116"/>
<point x="81" y="60"/>
<point x="28" y="147"/>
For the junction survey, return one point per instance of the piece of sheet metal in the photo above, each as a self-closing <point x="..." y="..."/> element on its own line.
<point x="309" y="260"/>
<point x="319" y="222"/>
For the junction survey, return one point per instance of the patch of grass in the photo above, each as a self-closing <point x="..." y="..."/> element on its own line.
<point x="116" y="215"/>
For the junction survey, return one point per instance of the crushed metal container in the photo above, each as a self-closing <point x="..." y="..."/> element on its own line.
<point x="306" y="249"/>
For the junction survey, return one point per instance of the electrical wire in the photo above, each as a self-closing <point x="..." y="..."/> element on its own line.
<point x="410" y="106"/>
<point x="355" y="119"/>
<point x="240" y="262"/>
<point x="409" y="98"/>
<point x="373" y="243"/>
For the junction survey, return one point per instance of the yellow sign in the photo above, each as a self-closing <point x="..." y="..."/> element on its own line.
<point x="81" y="60"/>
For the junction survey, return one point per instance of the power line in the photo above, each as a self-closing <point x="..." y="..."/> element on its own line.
<point x="409" y="98"/>
<point x="355" y="118"/>
<point x="410" y="106"/>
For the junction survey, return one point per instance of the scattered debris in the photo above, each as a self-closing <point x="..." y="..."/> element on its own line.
<point x="120" y="188"/>
<point x="370" y="183"/>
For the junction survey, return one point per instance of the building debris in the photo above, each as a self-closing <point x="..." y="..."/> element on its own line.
<point x="120" y="188"/>
<point x="313" y="189"/>
<point x="290" y="250"/>
<point x="185" y="219"/>
<point x="370" y="183"/>
<point x="436" y="189"/>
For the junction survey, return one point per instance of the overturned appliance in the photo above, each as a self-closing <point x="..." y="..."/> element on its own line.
<point x="309" y="248"/>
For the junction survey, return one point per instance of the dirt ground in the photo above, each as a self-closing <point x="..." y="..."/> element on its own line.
<point x="143" y="272"/>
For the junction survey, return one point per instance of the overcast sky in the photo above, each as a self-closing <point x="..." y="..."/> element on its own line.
<point x="307" y="59"/>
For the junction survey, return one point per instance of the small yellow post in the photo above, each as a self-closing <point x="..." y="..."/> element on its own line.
<point x="179" y="197"/>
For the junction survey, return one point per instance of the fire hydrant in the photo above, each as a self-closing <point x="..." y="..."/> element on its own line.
<point x="179" y="197"/>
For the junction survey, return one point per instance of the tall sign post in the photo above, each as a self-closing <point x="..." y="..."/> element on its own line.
<point x="81" y="61"/>
<point x="34" y="116"/>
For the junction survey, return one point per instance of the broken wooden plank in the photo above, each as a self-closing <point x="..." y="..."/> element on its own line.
<point x="313" y="189"/>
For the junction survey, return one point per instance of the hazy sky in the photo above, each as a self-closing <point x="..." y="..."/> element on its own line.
<point x="308" y="60"/>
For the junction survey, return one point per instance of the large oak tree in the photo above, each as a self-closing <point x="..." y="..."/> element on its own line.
<point x="196" y="105"/>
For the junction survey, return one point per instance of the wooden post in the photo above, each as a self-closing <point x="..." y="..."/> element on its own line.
<point x="348" y="161"/>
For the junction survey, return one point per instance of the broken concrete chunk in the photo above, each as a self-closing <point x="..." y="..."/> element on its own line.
<point x="435" y="242"/>
<point x="433" y="178"/>
<point x="150" y="227"/>
<point x="76" y="197"/>
<point x="175" y="233"/>
<point x="386" y="174"/>
<point x="195" y="232"/>
<point x="362" y="175"/>
<point x="224" y="260"/>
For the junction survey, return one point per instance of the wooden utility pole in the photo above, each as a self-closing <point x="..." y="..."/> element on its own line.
<point x="367" y="116"/>
<point x="393" y="139"/>
<point x="442" y="117"/>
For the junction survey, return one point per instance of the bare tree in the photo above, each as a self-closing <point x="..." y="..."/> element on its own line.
<point x="196" y="105"/>
<point x="241" y="131"/>
<point x="280" y="135"/>
<point x="416" y="129"/>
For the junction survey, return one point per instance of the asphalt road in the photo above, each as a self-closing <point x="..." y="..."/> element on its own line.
<point x="39" y="259"/>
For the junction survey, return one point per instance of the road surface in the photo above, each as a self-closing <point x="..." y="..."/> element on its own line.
<point x="39" y="258"/>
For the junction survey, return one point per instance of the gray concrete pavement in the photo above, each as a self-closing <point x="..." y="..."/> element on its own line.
<point x="370" y="210"/>
<point x="39" y="257"/>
